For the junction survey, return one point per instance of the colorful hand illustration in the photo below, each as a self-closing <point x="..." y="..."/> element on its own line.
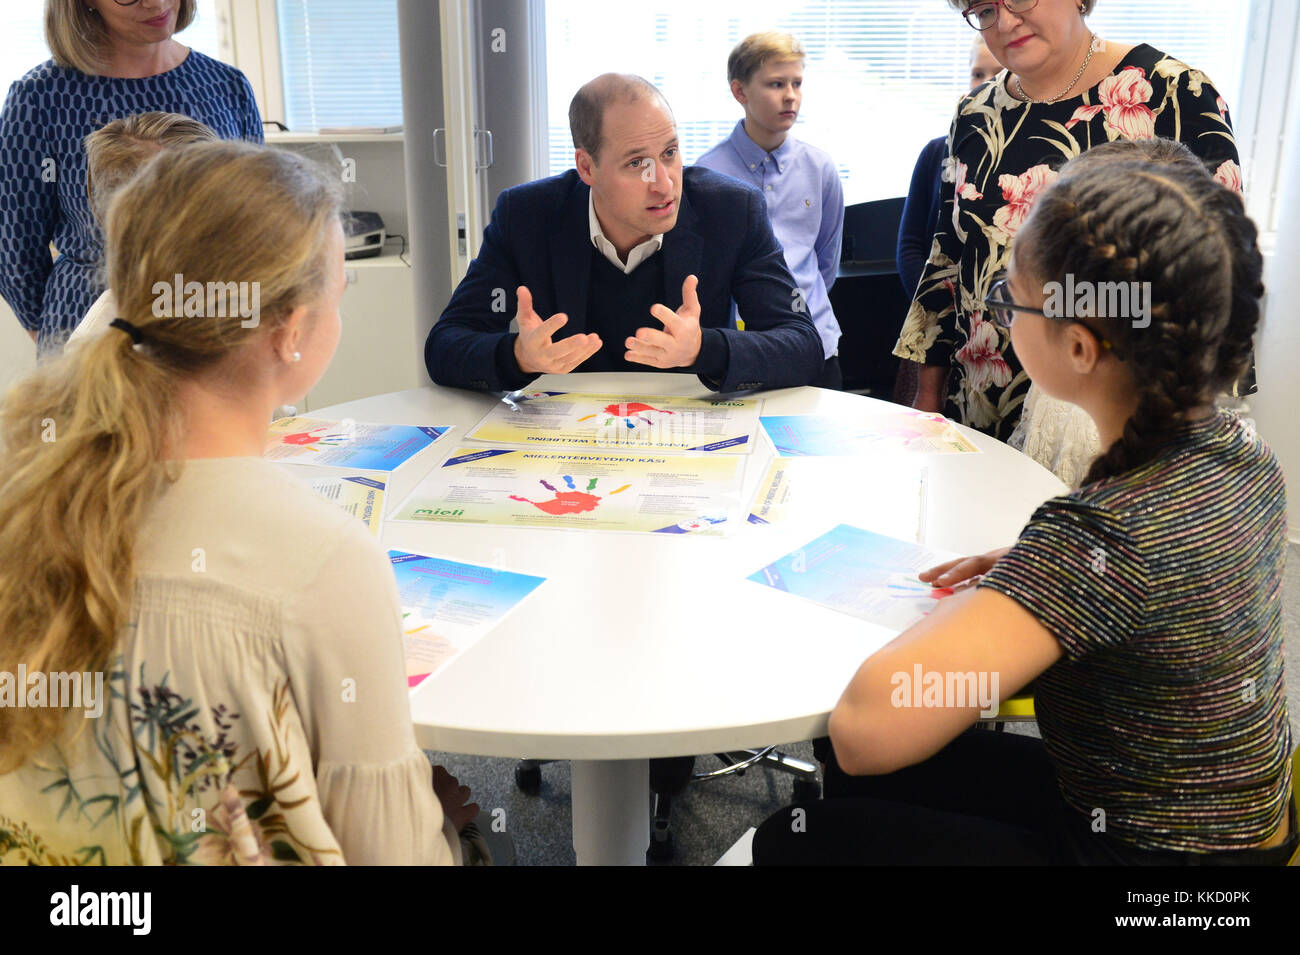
<point x="627" y="410"/>
<point x="571" y="501"/>
<point x="698" y="523"/>
<point x="307" y="438"/>
<point x="304" y="437"/>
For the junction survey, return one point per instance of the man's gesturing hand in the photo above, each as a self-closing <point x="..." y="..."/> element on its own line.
<point x="678" y="345"/>
<point x="535" y="353"/>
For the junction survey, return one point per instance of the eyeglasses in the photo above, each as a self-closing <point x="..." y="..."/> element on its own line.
<point x="982" y="16"/>
<point x="1002" y="309"/>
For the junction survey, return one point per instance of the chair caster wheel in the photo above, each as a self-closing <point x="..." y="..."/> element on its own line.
<point x="807" y="790"/>
<point x="528" y="780"/>
<point x="661" y="850"/>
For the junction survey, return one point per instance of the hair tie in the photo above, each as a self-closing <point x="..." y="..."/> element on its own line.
<point x="136" y="337"/>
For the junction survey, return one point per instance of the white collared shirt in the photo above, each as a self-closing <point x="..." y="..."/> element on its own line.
<point x="634" y="258"/>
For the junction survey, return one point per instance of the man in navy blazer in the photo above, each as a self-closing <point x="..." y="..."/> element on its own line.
<point x="636" y="261"/>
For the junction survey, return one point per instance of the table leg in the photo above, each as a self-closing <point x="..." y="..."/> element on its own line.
<point x="611" y="811"/>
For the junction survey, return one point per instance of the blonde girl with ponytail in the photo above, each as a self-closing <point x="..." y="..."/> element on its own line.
<point x="236" y="641"/>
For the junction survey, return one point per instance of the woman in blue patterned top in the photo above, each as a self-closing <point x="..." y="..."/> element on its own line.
<point x="1146" y="605"/>
<point x="111" y="60"/>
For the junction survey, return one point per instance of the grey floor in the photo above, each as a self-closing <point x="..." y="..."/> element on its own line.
<point x="712" y="815"/>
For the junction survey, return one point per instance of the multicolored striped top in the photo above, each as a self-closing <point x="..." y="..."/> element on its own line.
<point x="1163" y="585"/>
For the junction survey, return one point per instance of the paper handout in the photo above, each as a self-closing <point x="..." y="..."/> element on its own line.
<point x="518" y="487"/>
<point x="448" y="605"/>
<point x="861" y="573"/>
<point x="866" y="434"/>
<point x="624" y="422"/>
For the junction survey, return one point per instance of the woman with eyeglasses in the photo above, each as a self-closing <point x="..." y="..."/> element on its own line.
<point x="1145" y="606"/>
<point x="1064" y="91"/>
<point x="111" y="59"/>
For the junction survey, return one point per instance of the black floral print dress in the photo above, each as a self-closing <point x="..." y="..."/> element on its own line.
<point x="1002" y="154"/>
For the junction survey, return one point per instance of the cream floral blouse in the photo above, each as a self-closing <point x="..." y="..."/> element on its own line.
<point x="1002" y="154"/>
<point x="257" y="712"/>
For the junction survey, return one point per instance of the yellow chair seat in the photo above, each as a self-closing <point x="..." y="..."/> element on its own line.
<point x="1016" y="708"/>
<point x="1295" y="797"/>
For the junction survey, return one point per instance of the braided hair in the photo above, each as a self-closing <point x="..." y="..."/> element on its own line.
<point x="1144" y="213"/>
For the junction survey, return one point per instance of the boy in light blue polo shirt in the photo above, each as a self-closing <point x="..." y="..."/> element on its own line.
<point x="800" y="183"/>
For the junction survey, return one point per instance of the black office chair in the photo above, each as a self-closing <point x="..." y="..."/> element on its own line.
<point x="669" y="777"/>
<point x="869" y="299"/>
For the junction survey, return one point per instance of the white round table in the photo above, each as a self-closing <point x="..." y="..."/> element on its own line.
<point x="650" y="645"/>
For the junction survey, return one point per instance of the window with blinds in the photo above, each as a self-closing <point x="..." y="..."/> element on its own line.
<point x="882" y="76"/>
<point x="339" y="61"/>
<point x="22" y="42"/>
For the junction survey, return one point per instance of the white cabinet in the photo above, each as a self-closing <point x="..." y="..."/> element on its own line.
<point x="380" y="349"/>
<point x="17" y="350"/>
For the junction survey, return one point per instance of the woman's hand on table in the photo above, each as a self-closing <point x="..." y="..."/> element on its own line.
<point x="453" y="797"/>
<point x="964" y="570"/>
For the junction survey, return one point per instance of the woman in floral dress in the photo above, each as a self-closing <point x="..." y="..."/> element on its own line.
<point x="1063" y="91"/>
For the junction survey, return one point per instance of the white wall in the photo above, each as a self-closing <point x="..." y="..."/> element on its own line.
<point x="17" y="350"/>
<point x="1277" y="406"/>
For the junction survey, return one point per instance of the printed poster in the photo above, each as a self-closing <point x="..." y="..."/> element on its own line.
<point x="866" y="434"/>
<point x="518" y="487"/>
<point x="361" y="495"/>
<point x="861" y="573"/>
<point x="890" y="500"/>
<point x="448" y="605"/>
<point x="650" y="422"/>
<point x="347" y="443"/>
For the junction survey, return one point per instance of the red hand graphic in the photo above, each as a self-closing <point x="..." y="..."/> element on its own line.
<point x="303" y="437"/>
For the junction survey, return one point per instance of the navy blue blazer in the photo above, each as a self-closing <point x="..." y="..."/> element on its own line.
<point x="920" y="214"/>
<point x="540" y="236"/>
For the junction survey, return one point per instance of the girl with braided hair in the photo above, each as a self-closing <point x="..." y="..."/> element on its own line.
<point x="1057" y="434"/>
<point x="1145" y="604"/>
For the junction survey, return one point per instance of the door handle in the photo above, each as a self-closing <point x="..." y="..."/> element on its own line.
<point x="482" y="135"/>
<point x="439" y="135"/>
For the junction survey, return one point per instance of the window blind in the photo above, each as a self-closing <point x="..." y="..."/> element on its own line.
<point x="882" y="77"/>
<point x="339" y="60"/>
